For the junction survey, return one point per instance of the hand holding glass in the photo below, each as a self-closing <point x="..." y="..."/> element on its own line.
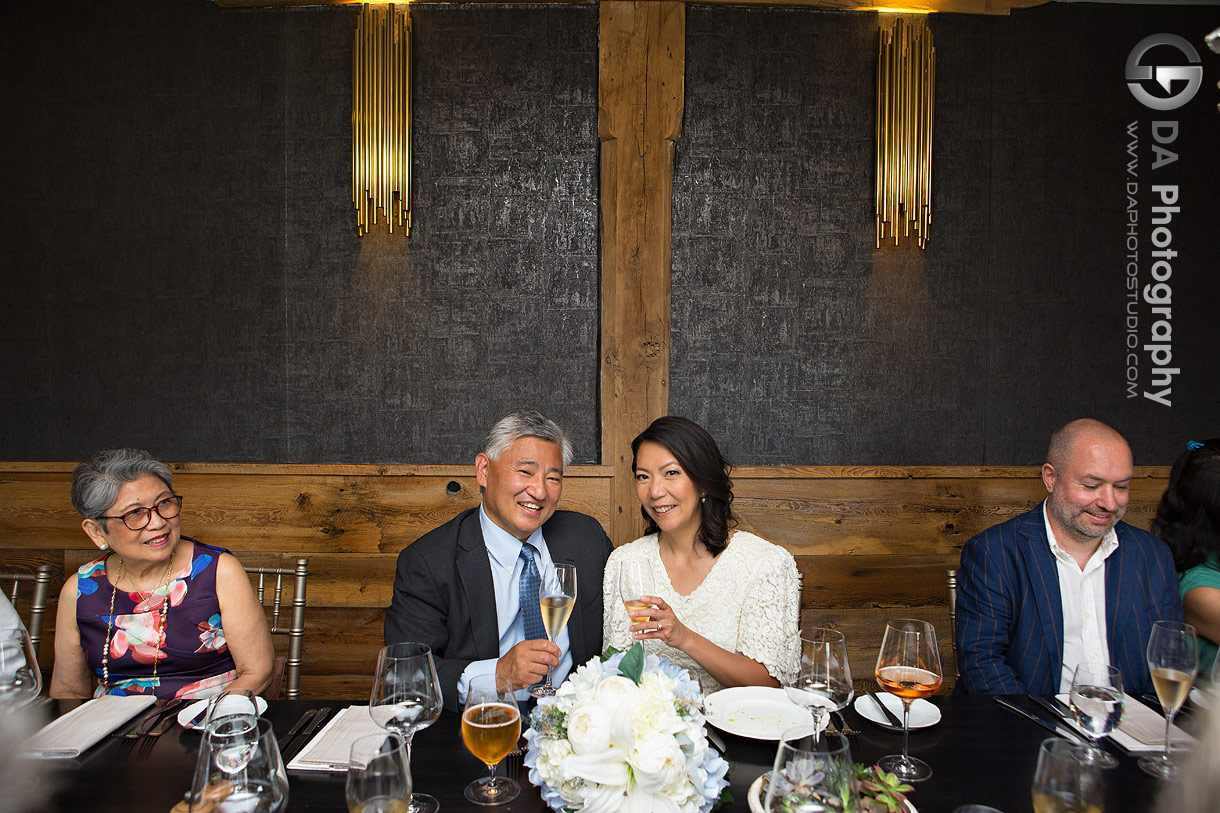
<point x="909" y="667"/>
<point x="491" y="726"/>
<point x="556" y="598"/>
<point x="378" y="777"/>
<point x="820" y="680"/>
<point x="1173" y="657"/>
<point x="1097" y="703"/>
<point x="406" y="698"/>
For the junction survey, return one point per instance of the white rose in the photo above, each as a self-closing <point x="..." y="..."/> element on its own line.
<point x="659" y="764"/>
<point x="589" y="728"/>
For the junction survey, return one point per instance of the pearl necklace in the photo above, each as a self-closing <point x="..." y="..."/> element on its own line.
<point x="169" y="569"/>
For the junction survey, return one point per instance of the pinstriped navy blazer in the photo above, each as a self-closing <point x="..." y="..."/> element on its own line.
<point x="1009" y="625"/>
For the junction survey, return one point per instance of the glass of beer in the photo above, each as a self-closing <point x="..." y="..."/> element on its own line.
<point x="491" y="726"/>
<point x="634" y="582"/>
<point x="556" y="598"/>
<point x="1064" y="782"/>
<point x="378" y="778"/>
<point x="908" y="666"/>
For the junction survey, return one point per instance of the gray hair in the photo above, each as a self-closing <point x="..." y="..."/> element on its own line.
<point x="521" y="423"/>
<point x="96" y="482"/>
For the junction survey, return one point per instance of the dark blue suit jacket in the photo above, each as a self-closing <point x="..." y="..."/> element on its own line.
<point x="444" y="596"/>
<point x="1009" y="625"/>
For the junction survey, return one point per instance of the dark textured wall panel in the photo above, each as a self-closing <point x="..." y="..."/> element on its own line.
<point x="796" y="342"/>
<point x="180" y="249"/>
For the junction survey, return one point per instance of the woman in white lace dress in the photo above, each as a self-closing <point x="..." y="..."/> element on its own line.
<point x="726" y="603"/>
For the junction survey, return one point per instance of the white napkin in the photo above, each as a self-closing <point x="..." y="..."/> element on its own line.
<point x="77" y="731"/>
<point x="1142" y="730"/>
<point x="331" y="748"/>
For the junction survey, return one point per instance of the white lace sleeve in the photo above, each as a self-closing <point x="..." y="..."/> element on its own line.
<point x="614" y="615"/>
<point x="770" y="617"/>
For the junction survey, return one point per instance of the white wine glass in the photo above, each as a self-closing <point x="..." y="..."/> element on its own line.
<point x="20" y="677"/>
<point x="378" y="777"/>
<point x="635" y="582"/>
<point x="406" y="698"/>
<point x="241" y="768"/>
<point x="1064" y="783"/>
<point x="820" y="678"/>
<point x="1097" y="703"/>
<point x="908" y="666"/>
<point x="556" y="598"/>
<point x="491" y="726"/>
<point x="1173" y="657"/>
<point x="811" y="773"/>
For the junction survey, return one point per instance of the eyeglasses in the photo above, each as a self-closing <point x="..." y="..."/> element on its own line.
<point x="137" y="519"/>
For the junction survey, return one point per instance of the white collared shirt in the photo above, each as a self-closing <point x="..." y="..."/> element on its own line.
<point x="503" y="554"/>
<point x="1083" y="595"/>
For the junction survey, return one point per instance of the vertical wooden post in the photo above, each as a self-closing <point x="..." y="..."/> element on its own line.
<point x="642" y="56"/>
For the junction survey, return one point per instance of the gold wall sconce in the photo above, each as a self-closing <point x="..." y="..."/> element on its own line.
<point x="381" y="118"/>
<point x="906" y="92"/>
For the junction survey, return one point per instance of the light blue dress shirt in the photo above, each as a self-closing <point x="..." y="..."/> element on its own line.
<point x="503" y="554"/>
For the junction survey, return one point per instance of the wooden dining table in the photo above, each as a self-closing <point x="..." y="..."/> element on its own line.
<point x="979" y="752"/>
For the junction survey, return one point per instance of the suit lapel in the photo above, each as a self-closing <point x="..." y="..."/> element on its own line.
<point x="474" y="574"/>
<point x="1044" y="583"/>
<point x="1120" y="580"/>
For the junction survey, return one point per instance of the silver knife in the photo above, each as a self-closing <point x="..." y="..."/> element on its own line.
<point x="1054" y="705"/>
<point x="304" y="736"/>
<point x="146" y="724"/>
<point x="292" y="732"/>
<point x="889" y="715"/>
<point x="1054" y="728"/>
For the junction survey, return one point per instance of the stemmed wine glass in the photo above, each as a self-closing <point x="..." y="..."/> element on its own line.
<point x="556" y="597"/>
<point x="406" y="698"/>
<point x="811" y="773"/>
<point x="240" y="767"/>
<point x="378" y="779"/>
<point x="491" y="726"/>
<point x="820" y="679"/>
<point x="635" y="581"/>
<point x="1173" y="657"/>
<point x="1063" y="782"/>
<point x="20" y="677"/>
<point x="1097" y="703"/>
<point x="908" y="666"/>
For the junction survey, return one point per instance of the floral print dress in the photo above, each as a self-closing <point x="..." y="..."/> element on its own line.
<point x="194" y="662"/>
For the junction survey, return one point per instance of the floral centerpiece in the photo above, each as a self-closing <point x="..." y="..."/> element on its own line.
<point x="625" y="733"/>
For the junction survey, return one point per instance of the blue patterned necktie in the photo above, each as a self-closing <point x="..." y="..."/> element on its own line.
<point x="531" y="613"/>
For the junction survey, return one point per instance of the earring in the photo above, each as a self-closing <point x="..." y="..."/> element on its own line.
<point x="703" y="498"/>
<point x="104" y="546"/>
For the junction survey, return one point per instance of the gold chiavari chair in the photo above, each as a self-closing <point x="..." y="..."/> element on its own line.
<point x="41" y="581"/>
<point x="287" y="670"/>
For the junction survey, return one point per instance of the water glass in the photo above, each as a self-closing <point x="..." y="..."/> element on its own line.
<point x="240" y="769"/>
<point x="809" y="772"/>
<point x="1097" y="702"/>
<point x="378" y="776"/>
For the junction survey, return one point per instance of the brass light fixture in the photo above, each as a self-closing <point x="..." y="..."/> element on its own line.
<point x="906" y="91"/>
<point x="381" y="118"/>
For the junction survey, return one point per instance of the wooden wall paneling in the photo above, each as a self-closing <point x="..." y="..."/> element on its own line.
<point x="641" y="64"/>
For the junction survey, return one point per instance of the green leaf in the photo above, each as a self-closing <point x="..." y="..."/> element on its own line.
<point x="609" y="653"/>
<point x="632" y="664"/>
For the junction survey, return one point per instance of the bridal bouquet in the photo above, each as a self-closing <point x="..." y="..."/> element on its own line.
<point x="624" y="733"/>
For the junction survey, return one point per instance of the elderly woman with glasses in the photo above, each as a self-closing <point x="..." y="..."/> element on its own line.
<point x="157" y="613"/>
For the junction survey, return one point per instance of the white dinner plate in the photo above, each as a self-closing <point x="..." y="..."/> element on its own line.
<point x="923" y="713"/>
<point x="757" y="712"/>
<point x="188" y="713"/>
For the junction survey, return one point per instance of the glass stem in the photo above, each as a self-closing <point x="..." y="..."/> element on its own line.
<point x="1168" y="728"/>
<point x="906" y="727"/>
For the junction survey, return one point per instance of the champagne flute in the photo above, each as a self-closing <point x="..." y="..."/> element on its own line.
<point x="491" y="726"/>
<point x="556" y="598"/>
<point x="406" y="698"/>
<point x="1097" y="703"/>
<point x="811" y="773"/>
<point x="378" y="778"/>
<point x="634" y="582"/>
<point x="908" y="666"/>
<point x="1064" y="784"/>
<point x="20" y="677"/>
<point x="820" y="679"/>
<point x="1173" y="657"/>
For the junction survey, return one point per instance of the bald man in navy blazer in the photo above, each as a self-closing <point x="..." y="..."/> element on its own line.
<point x="1031" y="605"/>
<point x="457" y="587"/>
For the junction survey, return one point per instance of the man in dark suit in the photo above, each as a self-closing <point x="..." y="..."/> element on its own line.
<point x="1065" y="583"/>
<point x="458" y="588"/>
